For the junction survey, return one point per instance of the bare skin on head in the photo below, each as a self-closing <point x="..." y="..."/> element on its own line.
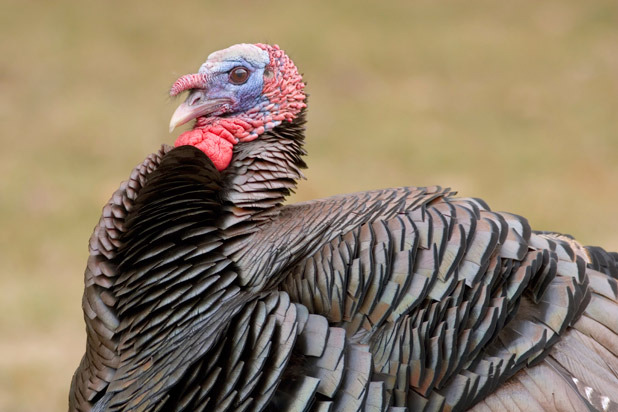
<point x="238" y="94"/>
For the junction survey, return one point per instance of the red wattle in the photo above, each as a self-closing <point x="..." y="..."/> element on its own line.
<point x="215" y="147"/>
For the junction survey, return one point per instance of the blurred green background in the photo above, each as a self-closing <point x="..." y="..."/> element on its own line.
<point x="513" y="102"/>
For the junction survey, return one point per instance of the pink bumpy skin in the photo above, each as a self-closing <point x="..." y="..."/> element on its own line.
<point x="283" y="98"/>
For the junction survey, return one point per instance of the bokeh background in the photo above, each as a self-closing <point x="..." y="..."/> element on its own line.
<point x="513" y="102"/>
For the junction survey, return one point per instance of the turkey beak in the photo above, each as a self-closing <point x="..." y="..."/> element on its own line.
<point x="196" y="105"/>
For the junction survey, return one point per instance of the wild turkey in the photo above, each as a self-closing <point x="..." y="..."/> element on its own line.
<point x="202" y="292"/>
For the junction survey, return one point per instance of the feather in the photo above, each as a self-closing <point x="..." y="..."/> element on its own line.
<point x="203" y="291"/>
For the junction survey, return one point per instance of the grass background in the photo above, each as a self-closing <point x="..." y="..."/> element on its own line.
<point x="514" y="102"/>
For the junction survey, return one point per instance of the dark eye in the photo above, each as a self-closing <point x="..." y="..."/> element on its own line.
<point x="239" y="75"/>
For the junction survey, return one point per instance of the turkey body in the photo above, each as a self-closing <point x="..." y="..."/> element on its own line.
<point x="204" y="292"/>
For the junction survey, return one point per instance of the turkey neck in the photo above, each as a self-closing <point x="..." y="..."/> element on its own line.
<point x="264" y="172"/>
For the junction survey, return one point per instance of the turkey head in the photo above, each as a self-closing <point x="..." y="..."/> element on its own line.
<point x="236" y="95"/>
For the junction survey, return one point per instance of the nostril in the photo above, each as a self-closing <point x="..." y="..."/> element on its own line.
<point x="195" y="100"/>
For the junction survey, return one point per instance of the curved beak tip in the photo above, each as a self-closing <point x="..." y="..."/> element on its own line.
<point x="181" y="116"/>
<point x="192" y="109"/>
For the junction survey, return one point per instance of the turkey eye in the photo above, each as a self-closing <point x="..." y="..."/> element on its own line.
<point x="239" y="75"/>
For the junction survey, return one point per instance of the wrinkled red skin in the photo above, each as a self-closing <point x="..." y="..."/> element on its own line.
<point x="215" y="147"/>
<point x="216" y="137"/>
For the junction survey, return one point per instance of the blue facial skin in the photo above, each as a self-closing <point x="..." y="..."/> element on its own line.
<point x="242" y="96"/>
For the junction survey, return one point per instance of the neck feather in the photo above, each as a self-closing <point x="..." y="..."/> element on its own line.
<point x="263" y="172"/>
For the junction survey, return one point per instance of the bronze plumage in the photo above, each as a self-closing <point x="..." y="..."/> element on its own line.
<point x="204" y="292"/>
